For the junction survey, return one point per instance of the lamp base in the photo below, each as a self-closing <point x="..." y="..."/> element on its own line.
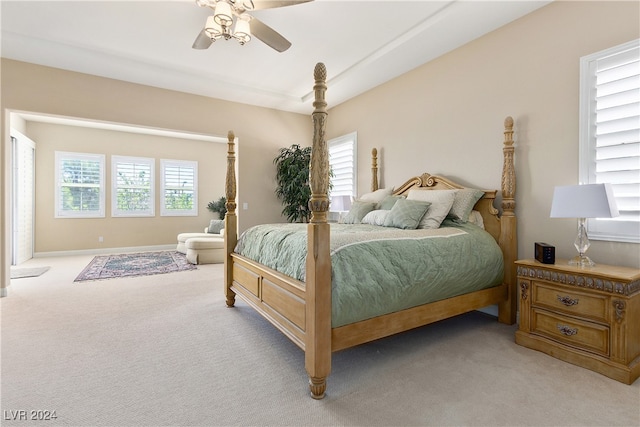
<point x="582" y="261"/>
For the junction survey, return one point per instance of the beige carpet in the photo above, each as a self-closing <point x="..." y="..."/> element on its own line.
<point x="164" y="350"/>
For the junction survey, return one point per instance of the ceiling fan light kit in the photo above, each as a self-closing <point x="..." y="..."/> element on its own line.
<point x="230" y="21"/>
<point x="219" y="25"/>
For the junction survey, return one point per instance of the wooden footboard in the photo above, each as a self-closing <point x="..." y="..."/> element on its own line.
<point x="279" y="298"/>
<point x="302" y="311"/>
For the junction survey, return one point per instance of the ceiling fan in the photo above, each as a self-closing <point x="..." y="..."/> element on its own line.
<point x="226" y="13"/>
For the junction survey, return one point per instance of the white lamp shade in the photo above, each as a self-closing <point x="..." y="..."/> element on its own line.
<point x="242" y="30"/>
<point x="212" y="28"/>
<point x="584" y="201"/>
<point x="244" y="4"/>
<point x="340" y="203"/>
<point x="223" y="14"/>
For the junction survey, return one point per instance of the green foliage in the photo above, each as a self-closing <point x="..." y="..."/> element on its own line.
<point x="134" y="192"/>
<point x="178" y="199"/>
<point x="219" y="206"/>
<point x="80" y="199"/>
<point x="292" y="179"/>
<point x="80" y="185"/>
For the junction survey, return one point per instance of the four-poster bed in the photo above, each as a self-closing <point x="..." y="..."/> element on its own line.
<point x="302" y="309"/>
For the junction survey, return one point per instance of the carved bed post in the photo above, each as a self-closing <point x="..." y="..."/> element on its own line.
<point x="318" y="267"/>
<point x="508" y="240"/>
<point x="374" y="169"/>
<point x="230" y="220"/>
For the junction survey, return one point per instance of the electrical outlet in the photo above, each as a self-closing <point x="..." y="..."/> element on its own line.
<point x="245" y="206"/>
<point x="100" y="239"/>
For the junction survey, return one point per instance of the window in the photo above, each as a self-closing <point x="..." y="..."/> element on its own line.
<point x="132" y="186"/>
<point x="342" y="161"/>
<point x="610" y="135"/>
<point x="179" y="188"/>
<point x="79" y="188"/>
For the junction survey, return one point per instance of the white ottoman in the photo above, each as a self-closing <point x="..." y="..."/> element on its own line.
<point x="183" y="237"/>
<point x="205" y="250"/>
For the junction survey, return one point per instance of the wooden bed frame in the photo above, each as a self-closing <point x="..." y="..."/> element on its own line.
<point x="302" y="310"/>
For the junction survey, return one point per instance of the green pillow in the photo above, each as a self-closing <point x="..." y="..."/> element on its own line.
<point x="215" y="226"/>
<point x="358" y="210"/>
<point x="388" y="202"/>
<point x="406" y="214"/>
<point x="463" y="202"/>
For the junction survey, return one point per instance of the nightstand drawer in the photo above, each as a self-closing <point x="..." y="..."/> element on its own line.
<point x="584" y="335"/>
<point x="571" y="302"/>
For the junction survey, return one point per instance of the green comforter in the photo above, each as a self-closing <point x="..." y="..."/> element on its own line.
<point x="379" y="270"/>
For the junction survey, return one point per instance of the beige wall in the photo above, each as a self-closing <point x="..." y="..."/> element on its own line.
<point x="446" y="117"/>
<point x="260" y="131"/>
<point x="52" y="234"/>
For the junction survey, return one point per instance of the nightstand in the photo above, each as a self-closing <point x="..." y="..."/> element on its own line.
<point x="588" y="316"/>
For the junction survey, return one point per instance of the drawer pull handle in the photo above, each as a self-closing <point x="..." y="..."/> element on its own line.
<point x="565" y="330"/>
<point x="568" y="301"/>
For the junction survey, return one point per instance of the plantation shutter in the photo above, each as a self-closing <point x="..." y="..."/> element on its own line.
<point x="613" y="143"/>
<point x="342" y="161"/>
<point x="79" y="185"/>
<point x="179" y="189"/>
<point x="133" y="186"/>
<point x="23" y="197"/>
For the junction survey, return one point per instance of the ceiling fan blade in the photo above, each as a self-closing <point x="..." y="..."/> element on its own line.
<point x="202" y="41"/>
<point x="272" y="4"/>
<point x="268" y="35"/>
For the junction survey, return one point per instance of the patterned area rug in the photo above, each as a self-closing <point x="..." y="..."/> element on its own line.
<point x="138" y="264"/>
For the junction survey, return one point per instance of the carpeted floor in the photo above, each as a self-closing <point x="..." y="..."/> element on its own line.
<point x="134" y="264"/>
<point x="166" y="351"/>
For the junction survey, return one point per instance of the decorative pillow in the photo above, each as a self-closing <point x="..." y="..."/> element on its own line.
<point x="388" y="202"/>
<point x="377" y="196"/>
<point x="215" y="226"/>
<point x="358" y="210"/>
<point x="406" y="214"/>
<point x="463" y="203"/>
<point x="476" y="218"/>
<point x="376" y="217"/>
<point x="441" y="202"/>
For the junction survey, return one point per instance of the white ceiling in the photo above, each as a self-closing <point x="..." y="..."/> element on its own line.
<point x="363" y="43"/>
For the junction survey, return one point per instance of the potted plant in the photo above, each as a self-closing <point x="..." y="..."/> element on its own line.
<point x="292" y="180"/>
<point x="219" y="206"/>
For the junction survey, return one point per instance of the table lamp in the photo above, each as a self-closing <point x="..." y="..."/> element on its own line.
<point x="582" y="202"/>
<point x="340" y="203"/>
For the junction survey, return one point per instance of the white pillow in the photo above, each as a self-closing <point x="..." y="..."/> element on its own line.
<point x="476" y="218"/>
<point x="376" y="217"/>
<point x="441" y="202"/>
<point x="377" y="196"/>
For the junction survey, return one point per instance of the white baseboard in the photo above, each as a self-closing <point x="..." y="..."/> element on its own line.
<point x="490" y="309"/>
<point x="102" y="251"/>
<point x="493" y="311"/>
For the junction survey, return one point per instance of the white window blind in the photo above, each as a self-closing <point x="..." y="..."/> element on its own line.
<point x="179" y="188"/>
<point x="342" y="161"/>
<point x="132" y="180"/>
<point x="79" y="188"/>
<point x="610" y="135"/>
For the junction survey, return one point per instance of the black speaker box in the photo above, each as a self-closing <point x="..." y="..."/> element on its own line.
<point x="545" y="253"/>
